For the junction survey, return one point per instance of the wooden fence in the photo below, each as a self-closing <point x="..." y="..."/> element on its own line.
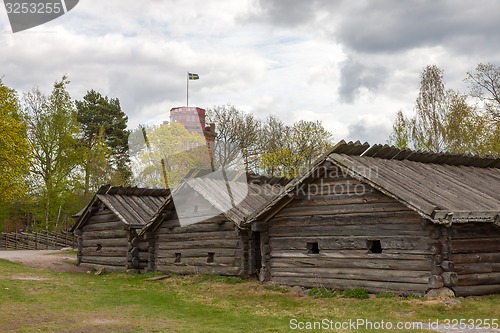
<point x="44" y="240"/>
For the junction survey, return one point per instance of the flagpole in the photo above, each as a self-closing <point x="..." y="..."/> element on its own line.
<point x="187" y="90"/>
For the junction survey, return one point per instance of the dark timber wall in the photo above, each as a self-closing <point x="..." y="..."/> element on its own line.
<point x="209" y="247"/>
<point x="475" y="251"/>
<point x="328" y="234"/>
<point x="213" y="246"/>
<point x="103" y="240"/>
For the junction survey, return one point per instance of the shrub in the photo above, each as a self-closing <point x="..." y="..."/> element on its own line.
<point x="322" y="293"/>
<point x="355" y="293"/>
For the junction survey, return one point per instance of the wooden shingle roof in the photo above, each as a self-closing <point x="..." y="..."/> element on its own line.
<point x="253" y="192"/>
<point x="133" y="206"/>
<point x="444" y="188"/>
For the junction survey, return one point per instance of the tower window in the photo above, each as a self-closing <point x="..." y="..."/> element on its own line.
<point x="210" y="258"/>
<point x="374" y="246"/>
<point x="313" y="248"/>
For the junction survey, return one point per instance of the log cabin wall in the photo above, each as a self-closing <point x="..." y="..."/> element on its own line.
<point x="209" y="247"/>
<point x="475" y="253"/>
<point x="340" y="233"/>
<point x="104" y="241"/>
<point x="137" y="251"/>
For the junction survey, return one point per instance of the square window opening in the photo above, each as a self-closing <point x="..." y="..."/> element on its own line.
<point x="313" y="248"/>
<point x="210" y="258"/>
<point x="177" y="258"/>
<point x="374" y="246"/>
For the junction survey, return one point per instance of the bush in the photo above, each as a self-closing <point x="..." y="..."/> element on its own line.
<point x="355" y="293"/>
<point x="322" y="293"/>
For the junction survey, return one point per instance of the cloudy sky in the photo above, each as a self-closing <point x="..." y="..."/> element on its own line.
<point x="350" y="64"/>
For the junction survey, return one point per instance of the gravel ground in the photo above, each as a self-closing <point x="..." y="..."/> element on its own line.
<point x="60" y="261"/>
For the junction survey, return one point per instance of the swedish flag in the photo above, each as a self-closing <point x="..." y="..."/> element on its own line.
<point x="193" y="76"/>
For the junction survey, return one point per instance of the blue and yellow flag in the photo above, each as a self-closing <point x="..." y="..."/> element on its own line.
<point x="193" y="76"/>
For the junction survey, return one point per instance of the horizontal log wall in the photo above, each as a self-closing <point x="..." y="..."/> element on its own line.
<point x="342" y="215"/>
<point x="476" y="257"/>
<point x="185" y="249"/>
<point x="103" y="241"/>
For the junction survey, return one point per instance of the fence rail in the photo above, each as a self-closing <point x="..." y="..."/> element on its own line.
<point x="44" y="240"/>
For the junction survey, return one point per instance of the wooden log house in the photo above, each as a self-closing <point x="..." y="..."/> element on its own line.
<point x="107" y="227"/>
<point x="195" y="232"/>
<point x="386" y="220"/>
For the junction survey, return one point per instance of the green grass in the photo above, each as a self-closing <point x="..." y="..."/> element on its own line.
<point x="322" y="293"/>
<point x="34" y="300"/>
<point x="355" y="293"/>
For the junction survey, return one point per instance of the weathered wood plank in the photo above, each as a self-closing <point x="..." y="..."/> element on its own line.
<point x="107" y="253"/>
<point x="190" y="236"/>
<point x="462" y="291"/>
<point x="109" y="242"/>
<point x="483" y="245"/>
<point x="479" y="279"/>
<point x="353" y="255"/>
<point x="103" y="226"/>
<point x="371" y="286"/>
<point x="199" y="261"/>
<point x="96" y="219"/>
<point x="186" y="253"/>
<point x="371" y="230"/>
<point x="206" y="269"/>
<point x="369" y="263"/>
<point x="464" y="258"/>
<point x="201" y="244"/>
<point x="104" y="234"/>
<point x="353" y="274"/>
<point x="471" y="268"/>
<point x="348" y="243"/>
<point x="342" y="209"/>
<point x="111" y="261"/>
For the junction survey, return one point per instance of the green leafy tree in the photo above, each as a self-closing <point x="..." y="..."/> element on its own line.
<point x="52" y="136"/>
<point x="14" y="160"/>
<point x="401" y="131"/>
<point x="299" y="146"/>
<point x="446" y="121"/>
<point x="484" y="84"/>
<point x="237" y="138"/>
<point x="102" y="120"/>
<point x="428" y="129"/>
<point x="163" y="155"/>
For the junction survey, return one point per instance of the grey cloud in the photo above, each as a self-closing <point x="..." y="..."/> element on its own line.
<point x="284" y="12"/>
<point x="355" y="75"/>
<point x="363" y="131"/>
<point x="387" y="26"/>
<point x="390" y="26"/>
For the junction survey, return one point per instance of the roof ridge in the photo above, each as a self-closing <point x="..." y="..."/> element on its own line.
<point x="133" y="191"/>
<point x="389" y="152"/>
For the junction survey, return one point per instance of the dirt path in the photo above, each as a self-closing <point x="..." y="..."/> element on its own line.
<point x="59" y="261"/>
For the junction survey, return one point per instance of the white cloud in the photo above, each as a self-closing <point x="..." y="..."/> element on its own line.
<point x="266" y="57"/>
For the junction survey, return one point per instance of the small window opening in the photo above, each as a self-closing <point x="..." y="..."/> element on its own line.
<point x="99" y="247"/>
<point x="374" y="246"/>
<point x="313" y="248"/>
<point x="195" y="209"/>
<point x="177" y="258"/>
<point x="210" y="258"/>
